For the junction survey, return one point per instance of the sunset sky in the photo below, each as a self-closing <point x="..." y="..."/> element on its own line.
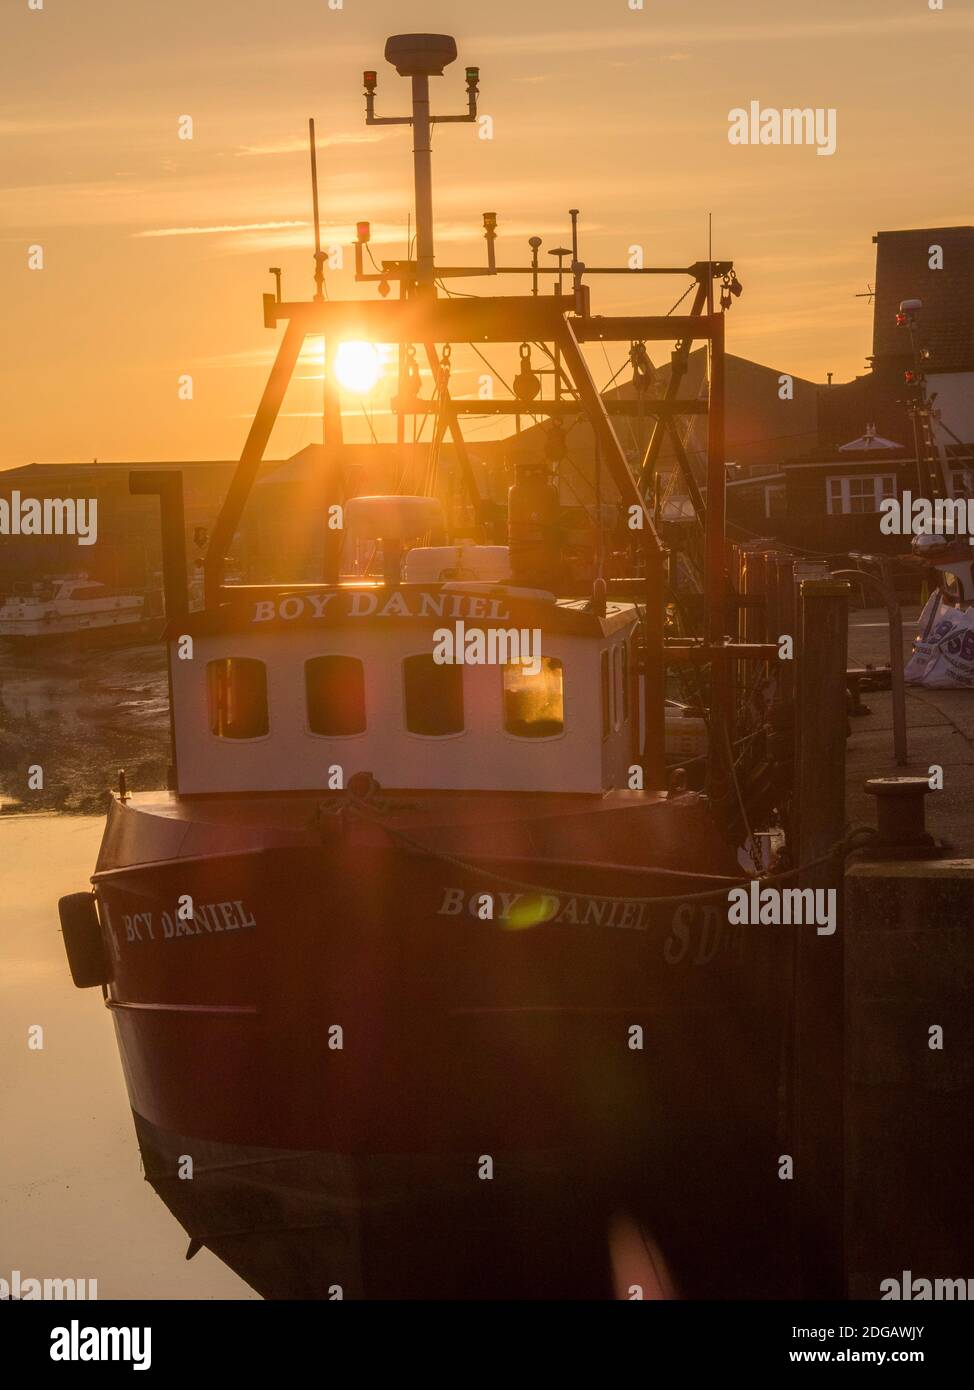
<point x="156" y="249"/>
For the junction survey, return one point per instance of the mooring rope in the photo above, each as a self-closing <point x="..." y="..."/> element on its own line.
<point x="846" y="845"/>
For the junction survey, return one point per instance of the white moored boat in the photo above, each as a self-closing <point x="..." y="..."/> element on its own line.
<point x="66" y="605"/>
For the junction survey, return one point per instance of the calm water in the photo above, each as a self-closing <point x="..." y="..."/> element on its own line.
<point x="73" y="1203"/>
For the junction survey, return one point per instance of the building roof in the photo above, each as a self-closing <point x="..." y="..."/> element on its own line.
<point x="51" y="472"/>
<point x="868" y="442"/>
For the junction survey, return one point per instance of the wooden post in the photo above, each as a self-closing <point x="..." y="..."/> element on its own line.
<point x="654" y="674"/>
<point x="754" y="626"/>
<point x="773" y="625"/>
<point x="788" y="613"/>
<point x="818" y="1137"/>
<point x="715" y="576"/>
<point x="896" y="683"/>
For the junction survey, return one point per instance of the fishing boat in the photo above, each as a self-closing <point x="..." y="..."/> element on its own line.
<point x="420" y="968"/>
<point x="72" y="605"/>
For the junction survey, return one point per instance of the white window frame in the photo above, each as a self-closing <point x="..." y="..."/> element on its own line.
<point x="878" y="480"/>
<point x="343" y="738"/>
<point x="227" y="740"/>
<point x="403" y="717"/>
<point x="769" y="488"/>
<point x="522" y="739"/>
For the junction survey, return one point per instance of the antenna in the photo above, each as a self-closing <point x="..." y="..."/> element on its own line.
<point x="420" y="57"/>
<point x="870" y="293"/>
<point x="577" y="266"/>
<point x="319" y="258"/>
<point x="710" y="263"/>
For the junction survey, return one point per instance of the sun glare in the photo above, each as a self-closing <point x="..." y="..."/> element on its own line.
<point x="357" y="366"/>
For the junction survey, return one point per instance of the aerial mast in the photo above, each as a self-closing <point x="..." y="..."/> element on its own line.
<point x="420" y="57"/>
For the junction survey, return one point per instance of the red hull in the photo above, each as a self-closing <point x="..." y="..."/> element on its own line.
<point x="455" y="1031"/>
<point x="460" y="1037"/>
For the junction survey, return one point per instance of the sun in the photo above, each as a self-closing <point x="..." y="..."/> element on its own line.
<point x="357" y="366"/>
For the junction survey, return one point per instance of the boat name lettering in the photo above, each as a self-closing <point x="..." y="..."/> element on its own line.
<point x="698" y="932"/>
<point x="207" y="917"/>
<point x="375" y="605"/>
<point x="697" y="935"/>
<point x="532" y="909"/>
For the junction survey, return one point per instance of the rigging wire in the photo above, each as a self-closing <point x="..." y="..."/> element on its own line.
<point x="368" y="421"/>
<point x="681" y="299"/>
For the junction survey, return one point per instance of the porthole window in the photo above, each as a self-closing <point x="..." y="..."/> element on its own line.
<point x="236" y="688"/>
<point x="335" y="694"/>
<point x="534" y="705"/>
<point x="433" y="696"/>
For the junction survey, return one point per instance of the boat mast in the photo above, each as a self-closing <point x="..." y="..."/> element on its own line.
<point x="420" y="57"/>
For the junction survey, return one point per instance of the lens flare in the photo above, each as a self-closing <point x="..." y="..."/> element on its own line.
<point x="357" y="367"/>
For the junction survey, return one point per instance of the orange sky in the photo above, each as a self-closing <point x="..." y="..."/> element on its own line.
<point x="156" y="249"/>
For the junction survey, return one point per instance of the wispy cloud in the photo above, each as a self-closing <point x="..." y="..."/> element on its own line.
<point x="284" y="236"/>
<point x="300" y="146"/>
<point x="44" y="125"/>
<point x="781" y="30"/>
<point x="209" y="231"/>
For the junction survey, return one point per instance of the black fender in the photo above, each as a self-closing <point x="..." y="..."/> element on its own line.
<point x="83" y="940"/>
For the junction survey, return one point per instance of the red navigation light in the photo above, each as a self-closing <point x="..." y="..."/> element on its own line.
<point x="371" y="81"/>
<point x="901" y="319"/>
<point x="363" y="230"/>
<point x="909" y="378"/>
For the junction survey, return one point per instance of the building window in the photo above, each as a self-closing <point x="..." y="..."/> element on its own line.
<point x="89" y="591"/>
<point x="534" y="705"/>
<point x="775" y="501"/>
<point x="852" y="495"/>
<point x="433" y="696"/>
<point x="962" y="482"/>
<point x="335" y="693"/>
<point x="237" y="695"/>
<point x="606" y="696"/>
